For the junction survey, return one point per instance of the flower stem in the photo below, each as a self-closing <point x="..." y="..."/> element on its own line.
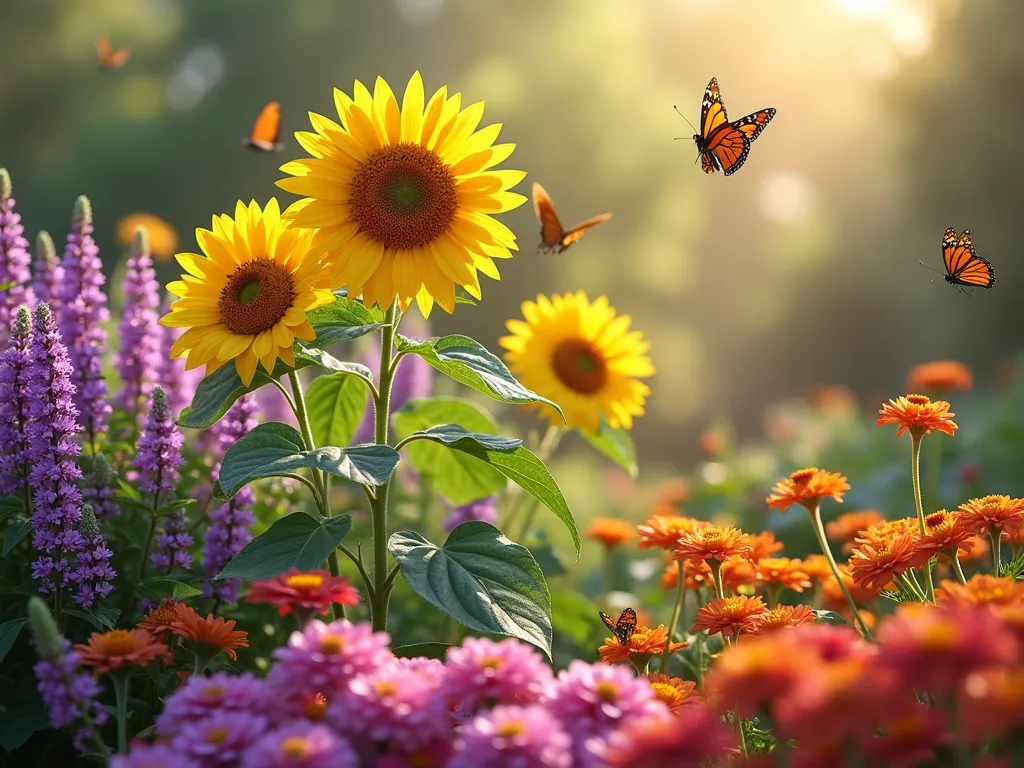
<point x="680" y="598"/>
<point x="120" y="679"/>
<point x="915" y="477"/>
<point x="379" y="500"/>
<point x="743" y="736"/>
<point x="548" y="445"/>
<point x="996" y="539"/>
<point x="955" y="557"/>
<point x="716" y="571"/>
<point x="819" y="531"/>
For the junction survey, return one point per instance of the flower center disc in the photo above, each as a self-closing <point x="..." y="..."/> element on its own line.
<point x="579" y="367"/>
<point x="256" y="298"/>
<point x="118" y="642"/>
<point x="404" y="196"/>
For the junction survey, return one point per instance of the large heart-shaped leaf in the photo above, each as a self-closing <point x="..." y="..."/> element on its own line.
<point x="275" y="449"/>
<point x="516" y="463"/>
<point x="470" y="363"/>
<point x="298" y="540"/>
<point x="456" y="476"/>
<point x="336" y="405"/>
<point x="9" y="632"/>
<point x="481" y="579"/>
<point x="616" y="444"/>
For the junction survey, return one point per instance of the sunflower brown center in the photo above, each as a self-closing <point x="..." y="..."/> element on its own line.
<point x="579" y="366"/>
<point x="404" y="196"/>
<point x="256" y="297"/>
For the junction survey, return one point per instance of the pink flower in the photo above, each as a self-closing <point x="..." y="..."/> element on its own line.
<point x="512" y="736"/>
<point x="153" y="756"/>
<point x="484" y="673"/>
<point x="220" y="739"/>
<point x="689" y="738"/>
<point x="300" y="745"/>
<point x="201" y="696"/>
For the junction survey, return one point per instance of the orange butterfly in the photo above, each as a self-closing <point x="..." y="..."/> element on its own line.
<point x="724" y="146"/>
<point x="964" y="267"/>
<point x="107" y="58"/>
<point x="266" y="129"/>
<point x="552" y="236"/>
<point x="623" y="627"/>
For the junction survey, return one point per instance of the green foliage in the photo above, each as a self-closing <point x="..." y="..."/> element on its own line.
<point x="616" y="444"/>
<point x="277" y="449"/>
<point x="298" y="540"/>
<point x="336" y="405"/>
<point x="425" y="650"/>
<point x="1014" y="568"/>
<point x="830" y="617"/>
<point x="17" y="529"/>
<point x="481" y="579"/>
<point x="9" y="632"/>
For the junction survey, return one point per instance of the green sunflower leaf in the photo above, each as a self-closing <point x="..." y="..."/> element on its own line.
<point x="456" y="476"/>
<point x="343" y="320"/>
<point x="275" y="449"/>
<point x="468" y="362"/>
<point x="481" y="579"/>
<point x="616" y="444"/>
<point x="297" y="540"/>
<point x="336" y="405"/>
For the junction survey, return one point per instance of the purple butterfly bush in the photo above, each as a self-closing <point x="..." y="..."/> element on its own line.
<point x="98" y="489"/>
<point x="47" y="273"/>
<point x="83" y="312"/>
<point x="14" y="368"/>
<point x="138" y="359"/>
<point x="93" y="575"/>
<point x="229" y="525"/>
<point x="14" y="258"/>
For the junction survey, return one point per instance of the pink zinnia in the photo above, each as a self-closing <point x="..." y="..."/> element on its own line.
<point x="689" y="738"/>
<point x="153" y="756"/>
<point x="219" y="739"/>
<point x="512" y="736"/>
<point x="199" y="697"/>
<point x="504" y="672"/>
<point x="300" y="745"/>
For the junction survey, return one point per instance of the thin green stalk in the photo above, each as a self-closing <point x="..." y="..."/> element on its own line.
<point x="819" y="531"/>
<point x="716" y="571"/>
<point x="152" y="528"/>
<point x="120" y="680"/>
<point x="934" y="473"/>
<point x="680" y="598"/>
<point x="379" y="501"/>
<point x="995" y="536"/>
<point x="911" y="585"/>
<point x="955" y="557"/>
<point x="337" y="609"/>
<point x="743" y="736"/>
<point x="700" y="660"/>
<point x="548" y="445"/>
<point x="915" y="477"/>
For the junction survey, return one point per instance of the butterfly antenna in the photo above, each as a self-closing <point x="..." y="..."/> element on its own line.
<point x="684" y="117"/>
<point x="933" y="269"/>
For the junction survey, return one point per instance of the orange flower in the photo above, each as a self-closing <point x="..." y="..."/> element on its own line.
<point x="159" y="619"/>
<point x="874" y="567"/>
<point x="784" y="572"/>
<point x="645" y="644"/>
<point x="763" y="545"/>
<point x="737" y="572"/>
<point x="996" y="511"/>
<point x="673" y="493"/>
<point x="979" y="550"/>
<point x="663" y="531"/>
<point x="713" y="441"/>
<point x="735" y="614"/>
<point x="163" y="238"/>
<point x="675" y="692"/>
<point x="833" y="598"/>
<point x="944" y="531"/>
<point x="610" y="531"/>
<point x="305" y="591"/>
<point x="982" y="590"/>
<point x="817" y="568"/>
<point x="807" y="487"/>
<point x="120" y="648"/>
<point x="711" y="543"/>
<point x="918" y="414"/>
<point x="880" y="534"/>
<point x="846" y="527"/>
<point x="749" y="677"/>
<point x="940" y="376"/>
<point x="783" y="617"/>
<point x="211" y="635"/>
<point x="836" y="402"/>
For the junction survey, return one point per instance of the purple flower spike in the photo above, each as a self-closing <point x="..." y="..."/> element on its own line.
<point x="14" y="367"/>
<point x="14" y="258"/>
<point x="47" y="273"/>
<point x="93" y="574"/>
<point x="179" y="385"/>
<point x="229" y="524"/>
<point x="158" y="453"/>
<point x="172" y="544"/>
<point x="99" y="488"/>
<point x="138" y="358"/>
<point x="83" y="311"/>
<point x="51" y="430"/>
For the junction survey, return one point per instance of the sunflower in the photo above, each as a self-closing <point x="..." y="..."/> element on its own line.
<point x="403" y="197"/>
<point x="583" y="356"/>
<point x="246" y="300"/>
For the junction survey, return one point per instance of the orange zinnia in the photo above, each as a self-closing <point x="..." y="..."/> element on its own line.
<point x="673" y="493"/>
<point x="940" y="376"/>
<point x="118" y="648"/>
<point x="663" y="531"/>
<point x="159" y="619"/>
<point x="996" y="511"/>
<point x="783" y="572"/>
<point x="881" y="533"/>
<point x="735" y="614"/>
<point x="712" y="543"/>
<point x="846" y="527"/>
<point x="874" y="567"/>
<point x="943" y="531"/>
<point x="763" y="544"/>
<point x="782" y="617"/>
<point x="817" y="568"/>
<point x="918" y="414"/>
<point x="738" y="572"/>
<point x="807" y="487"/>
<point x="674" y="692"/>
<point x="211" y="635"/>
<point x="644" y="644"/>
<point x="833" y="598"/>
<point x="982" y="590"/>
<point x="610" y="531"/>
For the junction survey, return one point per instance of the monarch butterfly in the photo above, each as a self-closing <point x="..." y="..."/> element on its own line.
<point x="623" y="627"/>
<point x="266" y="129"/>
<point x="964" y="267"/>
<point x="107" y="58"/>
<point x="552" y="236"/>
<point x="724" y="146"/>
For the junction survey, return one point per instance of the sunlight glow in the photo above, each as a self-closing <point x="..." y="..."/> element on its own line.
<point x="863" y="7"/>
<point x="785" y="197"/>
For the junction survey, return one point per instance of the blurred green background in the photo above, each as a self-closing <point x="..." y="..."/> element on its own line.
<point x="896" y="119"/>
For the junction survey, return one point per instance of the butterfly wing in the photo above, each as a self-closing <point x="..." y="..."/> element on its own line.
<point x="551" y="231"/>
<point x="729" y="147"/>
<point x="107" y="57"/>
<point x="963" y="264"/>
<point x="625" y="626"/>
<point x="607" y="621"/>
<point x="267" y="128"/>
<point x="573" y="234"/>
<point x="752" y="125"/>
<point x="712" y="110"/>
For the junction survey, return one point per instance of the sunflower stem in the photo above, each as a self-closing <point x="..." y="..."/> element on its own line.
<point x="302" y="415"/>
<point x="680" y="598"/>
<point x="819" y="531"/>
<point x="915" y="476"/>
<point x="379" y="501"/>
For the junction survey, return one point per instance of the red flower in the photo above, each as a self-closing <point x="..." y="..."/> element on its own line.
<point x="312" y="590"/>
